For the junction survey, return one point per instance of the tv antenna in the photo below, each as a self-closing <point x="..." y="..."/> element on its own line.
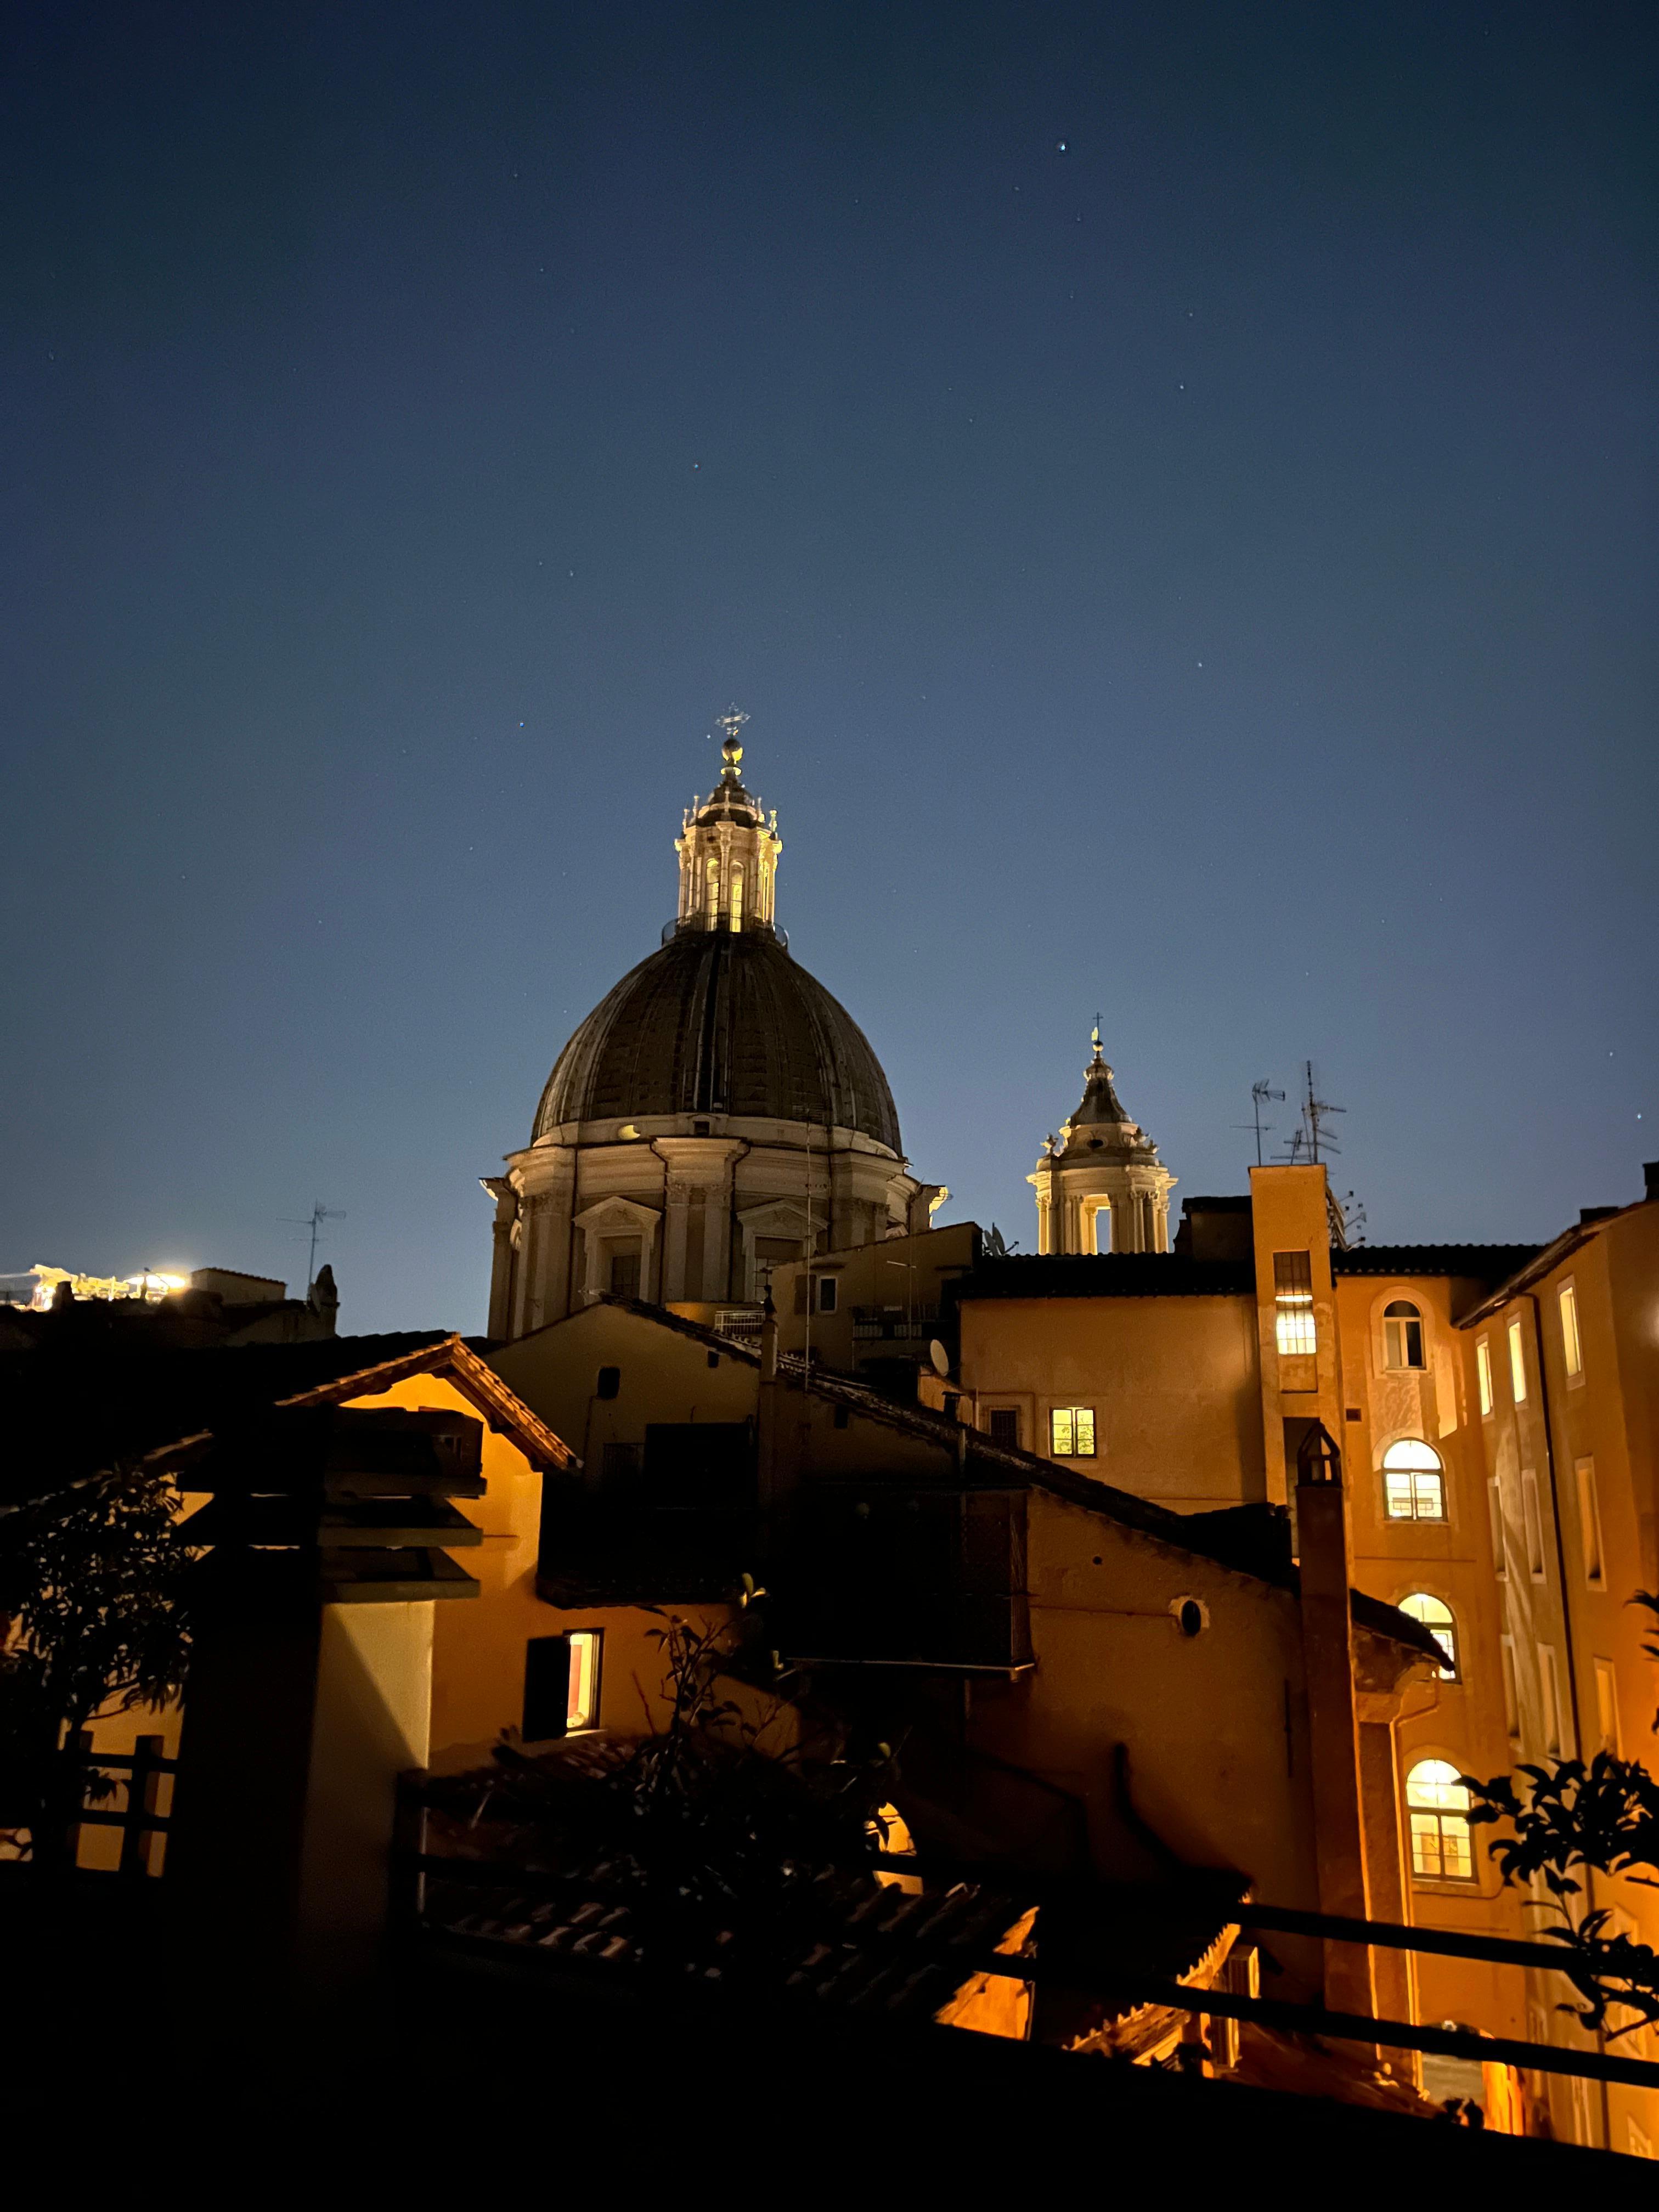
<point x="319" y="1213"/>
<point x="1260" y="1094"/>
<point x="1315" y="1109"/>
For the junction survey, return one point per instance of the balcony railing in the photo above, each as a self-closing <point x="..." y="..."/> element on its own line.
<point x="894" y="1324"/>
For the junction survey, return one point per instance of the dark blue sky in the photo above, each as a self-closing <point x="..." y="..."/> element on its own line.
<point x="1173" y="486"/>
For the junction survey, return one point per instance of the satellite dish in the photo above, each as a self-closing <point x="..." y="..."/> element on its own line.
<point x="940" y="1358"/>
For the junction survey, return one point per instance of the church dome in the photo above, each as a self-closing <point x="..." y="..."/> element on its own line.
<point x="720" y="1021"/>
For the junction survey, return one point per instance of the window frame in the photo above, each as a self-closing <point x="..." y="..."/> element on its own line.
<point x="1572" y="1340"/>
<point x="1417" y="1479"/>
<point x="1608" y="1737"/>
<point x="1500" y="1548"/>
<point x="1078" y="1419"/>
<point x="1591" y="1547"/>
<point x="1405" y="1317"/>
<point x="1444" y="1823"/>
<point x="1007" y="1413"/>
<point x="1551" y="1711"/>
<point x="593" y="1638"/>
<point x="1443" y="1632"/>
<point x="1517" y="1363"/>
<point x="1532" y="1523"/>
<point x="1293" y="1306"/>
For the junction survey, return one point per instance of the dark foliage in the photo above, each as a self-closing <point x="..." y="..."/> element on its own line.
<point x="92" y="1592"/>
<point x="1573" y="1817"/>
<point x="725" y="1845"/>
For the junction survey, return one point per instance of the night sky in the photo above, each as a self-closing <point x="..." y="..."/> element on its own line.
<point x="1173" y="486"/>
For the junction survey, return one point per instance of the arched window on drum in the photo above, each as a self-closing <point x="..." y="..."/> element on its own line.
<point x="1436" y="1809"/>
<point x="1413" y="1482"/>
<point x="1402" y="1334"/>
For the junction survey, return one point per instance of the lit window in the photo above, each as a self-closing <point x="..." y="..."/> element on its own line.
<point x="1517" y="1365"/>
<point x="562" y="1684"/>
<point x="1436" y="1806"/>
<point x="1569" y="1346"/>
<point x="736" y="898"/>
<point x="1437" y="1619"/>
<point x="1005" y="1425"/>
<point x="712" y="880"/>
<point x="1072" y="1431"/>
<point x="1413" y="1482"/>
<point x="1293" y="1302"/>
<point x="1606" y="1707"/>
<point x="1533" y="1522"/>
<point x="1589" y="1523"/>
<point x="1402" y="1334"/>
<point x="1483" y="1370"/>
<point x="1549" y="1686"/>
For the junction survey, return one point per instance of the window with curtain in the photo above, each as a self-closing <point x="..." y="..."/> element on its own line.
<point x="1413" y="1482"/>
<point x="1402" y="1334"/>
<point x="1436" y="1810"/>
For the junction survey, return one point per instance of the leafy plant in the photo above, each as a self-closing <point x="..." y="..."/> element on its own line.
<point x="724" y="1839"/>
<point x="92" y="1603"/>
<point x="1569" y="1818"/>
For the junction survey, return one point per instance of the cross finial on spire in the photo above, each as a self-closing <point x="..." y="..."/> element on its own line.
<point x="733" y="749"/>
<point x="1094" y="1036"/>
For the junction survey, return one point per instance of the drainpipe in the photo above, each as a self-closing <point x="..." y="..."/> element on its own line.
<point x="1332" y="1717"/>
<point x="1566" y="1627"/>
<point x="766" y="1411"/>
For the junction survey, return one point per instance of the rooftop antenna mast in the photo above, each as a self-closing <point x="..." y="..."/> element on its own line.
<point x="319" y="1213"/>
<point x="1259" y="1093"/>
<point x="1315" y="1110"/>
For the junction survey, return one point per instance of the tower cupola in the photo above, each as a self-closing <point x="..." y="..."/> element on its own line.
<point x="728" y="850"/>
<point x="1100" y="1185"/>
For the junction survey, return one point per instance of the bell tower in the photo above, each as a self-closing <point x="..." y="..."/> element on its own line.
<point x="1100" y="1184"/>
<point x="728" y="851"/>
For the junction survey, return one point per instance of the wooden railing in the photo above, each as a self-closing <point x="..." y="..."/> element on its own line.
<point x="140" y="1772"/>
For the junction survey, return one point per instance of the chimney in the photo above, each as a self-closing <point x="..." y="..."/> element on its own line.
<point x="1321" y="1520"/>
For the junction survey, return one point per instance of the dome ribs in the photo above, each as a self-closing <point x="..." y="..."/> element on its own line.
<point x="714" y="1023"/>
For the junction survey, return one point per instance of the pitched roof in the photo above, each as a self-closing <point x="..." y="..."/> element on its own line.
<point x="71" y="1415"/>
<point x="1485" y="1262"/>
<point x="1250" y="1540"/>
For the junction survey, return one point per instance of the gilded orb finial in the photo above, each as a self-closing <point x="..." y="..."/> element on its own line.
<point x="1094" y="1036"/>
<point x="731" y="749"/>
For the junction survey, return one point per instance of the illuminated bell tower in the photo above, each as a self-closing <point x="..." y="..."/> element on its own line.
<point x="728" y="851"/>
<point x="1100" y="1184"/>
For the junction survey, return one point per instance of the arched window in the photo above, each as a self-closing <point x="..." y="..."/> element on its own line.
<point x="1413" y="1482"/>
<point x="712" y="876"/>
<point x="1436" y="1806"/>
<point x="1437" y="1619"/>
<point x="1402" y="1334"/>
<point x="736" y="898"/>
